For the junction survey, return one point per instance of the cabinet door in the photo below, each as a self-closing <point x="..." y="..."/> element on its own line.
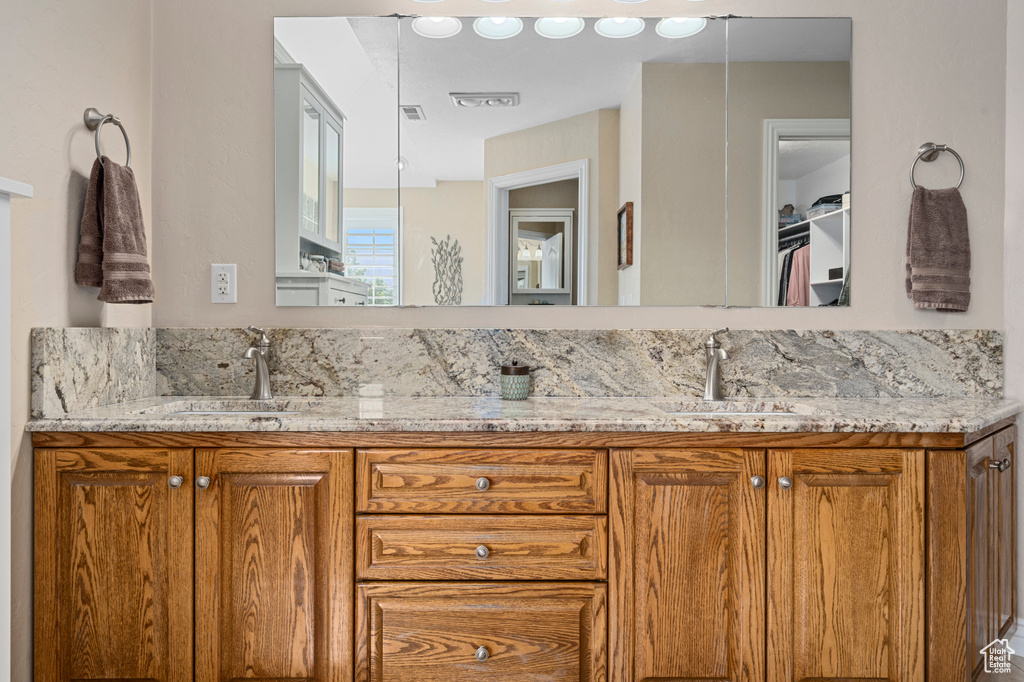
<point x="981" y="565"/>
<point x="113" y="565"/>
<point x="274" y="565"/>
<point x="687" y="565"/>
<point x="1004" y="533"/>
<point x="846" y="565"/>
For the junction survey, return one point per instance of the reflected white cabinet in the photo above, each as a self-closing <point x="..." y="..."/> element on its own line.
<point x="308" y="146"/>
<point x="302" y="288"/>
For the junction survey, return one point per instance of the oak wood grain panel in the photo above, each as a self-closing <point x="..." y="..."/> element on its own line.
<point x="554" y="439"/>
<point x="429" y="632"/>
<point x="846" y="571"/>
<point x="947" y="559"/>
<point x="113" y="565"/>
<point x="274" y="544"/>
<point x="981" y="564"/>
<point x="444" y="547"/>
<point x="444" y="481"/>
<point x="1005" y="592"/>
<point x="687" y="565"/>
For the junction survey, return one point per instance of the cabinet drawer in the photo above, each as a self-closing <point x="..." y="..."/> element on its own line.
<point x="513" y="632"/>
<point x="470" y="481"/>
<point x="481" y="547"/>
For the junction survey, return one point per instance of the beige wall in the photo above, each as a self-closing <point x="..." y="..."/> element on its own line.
<point x="451" y="208"/>
<point x="57" y="58"/>
<point x="631" y="142"/>
<point x="592" y="136"/>
<point x="216" y="180"/>
<point x="773" y="90"/>
<point x="683" y="192"/>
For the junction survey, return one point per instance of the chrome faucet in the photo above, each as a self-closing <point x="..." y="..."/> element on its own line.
<point x="261" y="391"/>
<point x="713" y="355"/>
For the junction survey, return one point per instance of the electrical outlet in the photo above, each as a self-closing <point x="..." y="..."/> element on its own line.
<point x="223" y="283"/>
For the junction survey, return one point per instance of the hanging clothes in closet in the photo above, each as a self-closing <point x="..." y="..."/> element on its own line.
<point x="799" y="293"/>
<point x="787" y="249"/>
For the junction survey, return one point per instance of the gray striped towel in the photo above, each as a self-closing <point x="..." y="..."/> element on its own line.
<point x="112" y="247"/>
<point x="938" y="251"/>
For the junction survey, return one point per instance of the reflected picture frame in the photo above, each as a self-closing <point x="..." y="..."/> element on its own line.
<point x="626" y="235"/>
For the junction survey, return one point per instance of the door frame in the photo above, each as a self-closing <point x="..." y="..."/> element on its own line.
<point x="776" y="129"/>
<point x="496" y="237"/>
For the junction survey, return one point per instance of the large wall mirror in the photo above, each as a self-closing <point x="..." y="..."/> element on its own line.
<point x="562" y="161"/>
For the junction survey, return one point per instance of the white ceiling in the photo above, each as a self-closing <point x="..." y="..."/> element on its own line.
<point x="356" y="62"/>
<point x="797" y="158"/>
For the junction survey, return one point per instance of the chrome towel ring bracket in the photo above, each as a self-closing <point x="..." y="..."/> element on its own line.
<point x="94" y="120"/>
<point x="928" y="152"/>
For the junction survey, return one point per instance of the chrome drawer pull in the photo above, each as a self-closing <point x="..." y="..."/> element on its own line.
<point x="482" y="654"/>
<point x="758" y="482"/>
<point x="482" y="552"/>
<point x="203" y="482"/>
<point x="175" y="481"/>
<point x="482" y="484"/>
<point x="785" y="482"/>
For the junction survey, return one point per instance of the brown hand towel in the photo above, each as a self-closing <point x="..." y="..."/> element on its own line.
<point x="938" y="251"/>
<point x="89" y="272"/>
<point x="113" y="216"/>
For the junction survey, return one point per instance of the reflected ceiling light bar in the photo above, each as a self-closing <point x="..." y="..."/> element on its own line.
<point x="498" y="28"/>
<point x="436" y="27"/>
<point x="681" y="27"/>
<point x="559" y="27"/>
<point x="620" y="27"/>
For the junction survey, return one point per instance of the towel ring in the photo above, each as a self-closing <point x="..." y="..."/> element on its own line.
<point x="94" y="120"/>
<point x="928" y="153"/>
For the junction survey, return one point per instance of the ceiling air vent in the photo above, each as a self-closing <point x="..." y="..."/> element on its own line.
<point x="412" y="112"/>
<point x="495" y="100"/>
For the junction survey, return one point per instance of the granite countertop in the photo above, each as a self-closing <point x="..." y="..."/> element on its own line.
<point x="491" y="414"/>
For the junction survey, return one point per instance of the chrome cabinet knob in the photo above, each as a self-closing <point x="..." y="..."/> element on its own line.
<point x="203" y="482"/>
<point x="1002" y="465"/>
<point x="758" y="482"/>
<point x="482" y="552"/>
<point x="482" y="654"/>
<point x="175" y="481"/>
<point x="785" y="482"/>
<point x="482" y="484"/>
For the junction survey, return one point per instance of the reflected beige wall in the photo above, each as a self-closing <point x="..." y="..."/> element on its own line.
<point x="592" y="136"/>
<point x="631" y="142"/>
<point x="758" y="91"/>
<point x="453" y="209"/>
<point x="683" y="184"/>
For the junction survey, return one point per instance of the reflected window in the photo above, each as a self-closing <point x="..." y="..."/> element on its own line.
<point x="372" y="247"/>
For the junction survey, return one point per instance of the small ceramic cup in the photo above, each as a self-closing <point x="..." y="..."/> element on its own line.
<point x="515" y="381"/>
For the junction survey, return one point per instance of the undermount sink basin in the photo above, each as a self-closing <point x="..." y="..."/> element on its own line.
<point x="234" y="408"/>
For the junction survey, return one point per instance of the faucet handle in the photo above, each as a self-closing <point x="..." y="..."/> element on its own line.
<point x="263" y="340"/>
<point x="712" y="341"/>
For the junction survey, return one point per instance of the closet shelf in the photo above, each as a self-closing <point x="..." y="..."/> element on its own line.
<point x="796" y="228"/>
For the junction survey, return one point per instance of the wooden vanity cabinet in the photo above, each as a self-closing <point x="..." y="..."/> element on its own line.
<point x="590" y="557"/>
<point x="119" y="597"/>
<point x="826" y="546"/>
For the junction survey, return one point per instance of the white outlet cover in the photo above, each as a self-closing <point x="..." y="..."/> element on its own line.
<point x="223" y="283"/>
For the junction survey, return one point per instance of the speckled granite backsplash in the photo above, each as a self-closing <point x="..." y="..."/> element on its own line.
<point x="77" y="368"/>
<point x="70" y="365"/>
